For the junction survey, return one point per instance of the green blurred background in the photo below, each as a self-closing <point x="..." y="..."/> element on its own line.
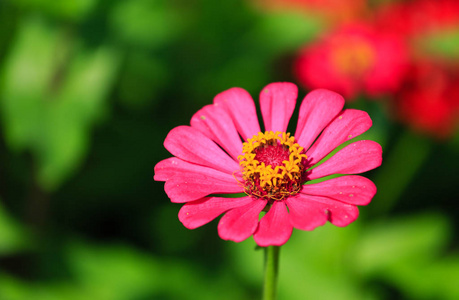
<point x="89" y="90"/>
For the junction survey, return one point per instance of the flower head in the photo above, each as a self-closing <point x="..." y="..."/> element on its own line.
<point x="356" y="58"/>
<point x="270" y="167"/>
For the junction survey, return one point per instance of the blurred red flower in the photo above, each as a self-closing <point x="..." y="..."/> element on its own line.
<point x="353" y="59"/>
<point x="420" y="17"/>
<point x="429" y="99"/>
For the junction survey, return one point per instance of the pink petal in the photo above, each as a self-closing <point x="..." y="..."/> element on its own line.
<point x="187" y="182"/>
<point x="344" y="215"/>
<point x="240" y="106"/>
<point x="275" y="228"/>
<point x="167" y="168"/>
<point x="215" y="123"/>
<point x="197" y="213"/>
<point x="347" y="125"/>
<point x="304" y="214"/>
<point x="192" y="186"/>
<point x="308" y="212"/>
<point x="357" y="157"/>
<point x="319" y="107"/>
<point x="352" y="189"/>
<point x="170" y="167"/>
<point x="340" y="214"/>
<point x="241" y="222"/>
<point x="193" y="146"/>
<point x="277" y="102"/>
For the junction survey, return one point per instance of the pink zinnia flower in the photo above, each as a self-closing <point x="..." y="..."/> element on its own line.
<point x="271" y="167"/>
<point x="353" y="59"/>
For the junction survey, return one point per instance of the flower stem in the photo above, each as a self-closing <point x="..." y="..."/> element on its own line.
<point x="271" y="269"/>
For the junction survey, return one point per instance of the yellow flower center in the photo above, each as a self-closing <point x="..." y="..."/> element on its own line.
<point x="273" y="165"/>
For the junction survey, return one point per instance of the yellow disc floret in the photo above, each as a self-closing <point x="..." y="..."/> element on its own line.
<point x="273" y="165"/>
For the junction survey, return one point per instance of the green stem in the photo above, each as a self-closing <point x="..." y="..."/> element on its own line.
<point x="271" y="269"/>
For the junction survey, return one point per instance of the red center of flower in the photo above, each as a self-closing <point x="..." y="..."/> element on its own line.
<point x="273" y="166"/>
<point x="272" y="155"/>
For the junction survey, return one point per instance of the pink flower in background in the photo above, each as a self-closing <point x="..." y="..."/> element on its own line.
<point x="270" y="167"/>
<point x="429" y="99"/>
<point x="353" y="59"/>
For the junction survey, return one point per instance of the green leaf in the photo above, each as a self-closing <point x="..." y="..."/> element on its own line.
<point x="13" y="237"/>
<point x="54" y="90"/>
<point x="145" y="22"/>
<point x="387" y="244"/>
<point x="73" y="10"/>
<point x="281" y="32"/>
<point x="442" y="42"/>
